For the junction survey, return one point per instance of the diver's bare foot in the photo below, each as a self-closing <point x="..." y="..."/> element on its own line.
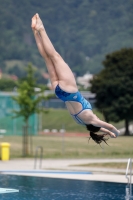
<point x="33" y="22"/>
<point x="37" y="23"/>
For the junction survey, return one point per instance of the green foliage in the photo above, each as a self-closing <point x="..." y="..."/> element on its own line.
<point x="78" y="29"/>
<point x="28" y="99"/>
<point x="7" y="84"/>
<point x="113" y="86"/>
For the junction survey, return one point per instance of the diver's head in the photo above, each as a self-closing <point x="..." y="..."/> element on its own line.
<point x="98" y="138"/>
<point x="92" y="128"/>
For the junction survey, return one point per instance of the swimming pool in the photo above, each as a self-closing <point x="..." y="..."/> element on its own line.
<point x="39" y="188"/>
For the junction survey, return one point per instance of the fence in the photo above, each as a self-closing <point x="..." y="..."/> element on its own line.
<point x="9" y="125"/>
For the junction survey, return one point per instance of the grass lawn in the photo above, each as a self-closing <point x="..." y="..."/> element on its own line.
<point x="72" y="147"/>
<point x="113" y="165"/>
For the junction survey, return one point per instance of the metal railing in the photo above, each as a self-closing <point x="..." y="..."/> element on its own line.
<point x="129" y="180"/>
<point x="36" y="156"/>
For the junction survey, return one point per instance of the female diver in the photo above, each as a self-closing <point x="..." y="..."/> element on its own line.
<point x="64" y="84"/>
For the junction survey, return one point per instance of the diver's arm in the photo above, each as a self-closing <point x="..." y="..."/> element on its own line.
<point x="107" y="132"/>
<point x="99" y="123"/>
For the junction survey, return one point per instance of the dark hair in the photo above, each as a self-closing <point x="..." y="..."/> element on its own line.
<point x="97" y="138"/>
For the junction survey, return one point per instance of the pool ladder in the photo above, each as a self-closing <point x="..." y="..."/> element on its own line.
<point x="129" y="180"/>
<point x="36" y="155"/>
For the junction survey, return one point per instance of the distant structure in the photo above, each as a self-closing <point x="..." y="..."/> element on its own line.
<point x="85" y="80"/>
<point x="49" y="84"/>
<point x="45" y="75"/>
<point x="14" y="77"/>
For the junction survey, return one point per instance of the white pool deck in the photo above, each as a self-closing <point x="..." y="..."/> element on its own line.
<point x="60" y="168"/>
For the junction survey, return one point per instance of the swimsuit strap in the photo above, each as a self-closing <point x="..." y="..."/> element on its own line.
<point x="79" y="111"/>
<point x="77" y="119"/>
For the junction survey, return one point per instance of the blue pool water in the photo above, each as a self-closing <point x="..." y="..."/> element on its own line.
<point x="40" y="188"/>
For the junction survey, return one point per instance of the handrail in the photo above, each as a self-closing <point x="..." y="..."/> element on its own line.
<point x="41" y="155"/>
<point x="129" y="178"/>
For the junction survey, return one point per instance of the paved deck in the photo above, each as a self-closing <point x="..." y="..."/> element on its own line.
<point x="57" y="168"/>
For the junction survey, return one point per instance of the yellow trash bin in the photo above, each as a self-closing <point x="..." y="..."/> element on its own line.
<point x="5" y="151"/>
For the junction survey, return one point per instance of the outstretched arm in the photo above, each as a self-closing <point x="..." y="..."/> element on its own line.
<point x="105" y="127"/>
<point x="104" y="130"/>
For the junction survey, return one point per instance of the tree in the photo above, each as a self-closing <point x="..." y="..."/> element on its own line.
<point x="28" y="100"/>
<point x="7" y="84"/>
<point x="82" y="29"/>
<point x="114" y="87"/>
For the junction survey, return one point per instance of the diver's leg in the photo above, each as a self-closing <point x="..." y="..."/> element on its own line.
<point x="64" y="73"/>
<point x="49" y="64"/>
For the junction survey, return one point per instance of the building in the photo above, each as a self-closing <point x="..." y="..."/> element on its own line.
<point x="85" y="80"/>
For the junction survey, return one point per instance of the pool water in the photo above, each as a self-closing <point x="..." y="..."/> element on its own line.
<point x="40" y="188"/>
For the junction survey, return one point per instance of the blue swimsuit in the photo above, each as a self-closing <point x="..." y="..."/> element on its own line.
<point x="65" y="96"/>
